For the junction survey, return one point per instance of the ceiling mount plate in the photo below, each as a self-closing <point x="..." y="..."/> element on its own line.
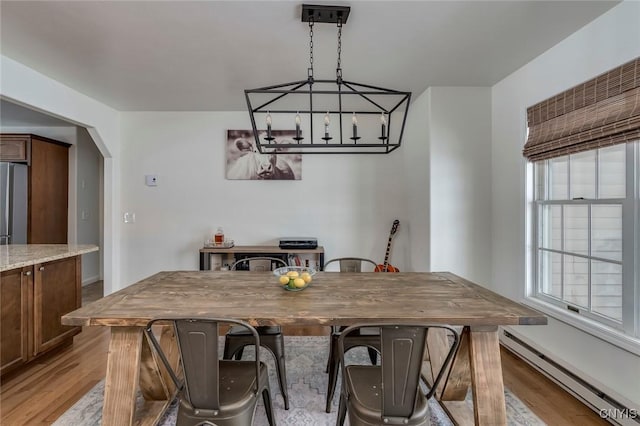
<point x="323" y="13"/>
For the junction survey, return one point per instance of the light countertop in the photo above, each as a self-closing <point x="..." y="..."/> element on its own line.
<point x="19" y="255"/>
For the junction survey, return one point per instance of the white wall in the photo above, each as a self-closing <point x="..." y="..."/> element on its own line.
<point x="417" y="169"/>
<point x="347" y="201"/>
<point x="460" y="181"/>
<point x="89" y="211"/>
<point x="607" y="42"/>
<point x="448" y="179"/>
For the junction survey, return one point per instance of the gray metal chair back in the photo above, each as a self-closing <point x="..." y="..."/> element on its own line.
<point x="259" y="263"/>
<point x="397" y="378"/>
<point x="203" y="372"/>
<point x="350" y="264"/>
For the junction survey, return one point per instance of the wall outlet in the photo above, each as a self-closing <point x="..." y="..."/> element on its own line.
<point x="129" y="217"/>
<point x="151" y="180"/>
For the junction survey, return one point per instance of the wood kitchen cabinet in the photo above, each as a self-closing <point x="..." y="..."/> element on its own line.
<point x="48" y="184"/>
<point x="32" y="301"/>
<point x="56" y="292"/>
<point x="14" y="148"/>
<point x="15" y="286"/>
<point x="47" y="219"/>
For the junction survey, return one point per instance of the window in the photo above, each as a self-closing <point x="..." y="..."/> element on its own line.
<point x="584" y="146"/>
<point x="585" y="242"/>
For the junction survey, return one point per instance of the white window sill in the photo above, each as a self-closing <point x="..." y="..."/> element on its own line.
<point x="608" y="334"/>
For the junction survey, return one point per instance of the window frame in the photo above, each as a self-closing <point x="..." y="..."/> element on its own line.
<point x="627" y="333"/>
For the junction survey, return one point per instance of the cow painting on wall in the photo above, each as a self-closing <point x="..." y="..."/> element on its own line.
<point x="245" y="162"/>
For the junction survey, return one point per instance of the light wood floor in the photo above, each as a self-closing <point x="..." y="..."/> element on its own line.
<point x="40" y="393"/>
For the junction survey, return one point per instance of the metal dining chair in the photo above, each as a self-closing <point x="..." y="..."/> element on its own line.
<point x="366" y="337"/>
<point x="271" y="337"/>
<point x="390" y="393"/>
<point x="213" y="391"/>
<point x="350" y="264"/>
<point x="258" y="264"/>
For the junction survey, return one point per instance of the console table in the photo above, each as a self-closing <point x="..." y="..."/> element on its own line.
<point x="270" y="251"/>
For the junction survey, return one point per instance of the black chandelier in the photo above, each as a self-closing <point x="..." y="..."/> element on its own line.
<point x="353" y="118"/>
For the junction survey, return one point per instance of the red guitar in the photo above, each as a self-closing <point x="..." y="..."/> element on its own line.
<point x="385" y="267"/>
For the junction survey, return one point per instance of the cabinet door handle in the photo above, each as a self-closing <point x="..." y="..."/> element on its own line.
<point x="41" y="268"/>
<point x="27" y="273"/>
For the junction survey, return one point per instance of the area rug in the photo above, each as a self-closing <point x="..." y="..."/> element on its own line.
<point x="306" y="359"/>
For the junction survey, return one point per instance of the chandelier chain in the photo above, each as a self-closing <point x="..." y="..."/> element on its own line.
<point x="339" y="43"/>
<point x="311" y="46"/>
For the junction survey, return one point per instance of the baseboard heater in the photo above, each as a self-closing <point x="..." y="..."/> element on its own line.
<point x="606" y="406"/>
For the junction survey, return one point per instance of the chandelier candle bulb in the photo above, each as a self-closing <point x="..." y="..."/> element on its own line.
<point x="326" y="125"/>
<point x="354" y="120"/>
<point x="383" y="122"/>
<point x="298" y="126"/>
<point x="268" y="125"/>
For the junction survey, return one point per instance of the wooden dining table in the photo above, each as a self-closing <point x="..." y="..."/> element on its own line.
<point x="333" y="298"/>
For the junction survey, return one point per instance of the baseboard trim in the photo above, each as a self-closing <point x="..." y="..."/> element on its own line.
<point x="90" y="280"/>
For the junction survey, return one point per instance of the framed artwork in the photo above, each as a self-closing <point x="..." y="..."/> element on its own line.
<point x="244" y="162"/>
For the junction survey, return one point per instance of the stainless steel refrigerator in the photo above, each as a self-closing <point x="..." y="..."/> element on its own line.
<point x="13" y="203"/>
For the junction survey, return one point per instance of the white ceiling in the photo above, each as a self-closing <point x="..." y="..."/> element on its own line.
<point x="201" y="55"/>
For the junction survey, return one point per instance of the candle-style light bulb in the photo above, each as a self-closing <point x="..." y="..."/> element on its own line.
<point x="383" y="122"/>
<point x="354" y="120"/>
<point x="298" y="126"/>
<point x="268" y="120"/>
<point x="326" y="126"/>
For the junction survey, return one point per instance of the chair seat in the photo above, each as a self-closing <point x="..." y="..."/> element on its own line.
<point x="262" y="330"/>
<point x="237" y="381"/>
<point x="368" y="337"/>
<point x="365" y="387"/>
<point x="272" y="339"/>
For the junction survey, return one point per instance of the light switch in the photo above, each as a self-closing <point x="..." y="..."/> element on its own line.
<point x="151" y="180"/>
<point x="129" y="217"/>
<point x="84" y="215"/>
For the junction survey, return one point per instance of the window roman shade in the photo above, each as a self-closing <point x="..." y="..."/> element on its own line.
<point x="600" y="112"/>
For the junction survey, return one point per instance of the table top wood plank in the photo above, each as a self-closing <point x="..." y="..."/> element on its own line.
<point x="333" y="298"/>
